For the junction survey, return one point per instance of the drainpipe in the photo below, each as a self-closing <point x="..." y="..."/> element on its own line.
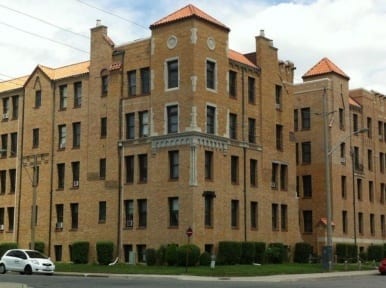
<point x="244" y="152"/>
<point x="52" y="171"/>
<point x="120" y="164"/>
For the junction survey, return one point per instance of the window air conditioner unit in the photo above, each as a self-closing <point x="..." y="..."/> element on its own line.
<point x="5" y="116"/>
<point x="342" y="160"/>
<point x="75" y="184"/>
<point x="273" y="184"/>
<point x="2" y="227"/>
<point x="59" y="225"/>
<point x="129" y="223"/>
<point x="278" y="106"/>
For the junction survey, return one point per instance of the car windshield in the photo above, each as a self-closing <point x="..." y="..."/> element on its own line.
<point x="35" y="254"/>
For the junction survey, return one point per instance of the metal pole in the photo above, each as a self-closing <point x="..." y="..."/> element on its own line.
<point x="354" y="201"/>
<point x="34" y="192"/>
<point x="328" y="181"/>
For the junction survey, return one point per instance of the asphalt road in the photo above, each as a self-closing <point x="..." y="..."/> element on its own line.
<point x="41" y="281"/>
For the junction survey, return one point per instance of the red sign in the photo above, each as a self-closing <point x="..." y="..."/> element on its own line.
<point x="189" y="232"/>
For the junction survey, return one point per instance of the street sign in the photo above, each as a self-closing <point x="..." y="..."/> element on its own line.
<point x="189" y="232"/>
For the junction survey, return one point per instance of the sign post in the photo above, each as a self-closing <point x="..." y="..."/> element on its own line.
<point x="189" y="233"/>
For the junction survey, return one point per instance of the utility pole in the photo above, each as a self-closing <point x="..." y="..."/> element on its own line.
<point x="34" y="161"/>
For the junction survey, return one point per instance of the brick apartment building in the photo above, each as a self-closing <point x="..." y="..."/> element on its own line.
<point x="357" y="160"/>
<point x="152" y="137"/>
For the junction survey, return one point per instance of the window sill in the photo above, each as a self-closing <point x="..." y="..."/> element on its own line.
<point x="73" y="229"/>
<point x="173" y="227"/>
<point x="58" y="229"/>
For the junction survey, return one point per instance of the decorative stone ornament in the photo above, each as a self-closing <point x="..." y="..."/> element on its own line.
<point x="211" y="43"/>
<point x="172" y="42"/>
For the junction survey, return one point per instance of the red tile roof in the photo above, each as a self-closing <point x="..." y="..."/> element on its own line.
<point x="188" y="11"/>
<point x="352" y="102"/>
<point x="325" y="66"/>
<point x="238" y="57"/>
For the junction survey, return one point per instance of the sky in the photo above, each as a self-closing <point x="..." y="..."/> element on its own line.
<point x="351" y="33"/>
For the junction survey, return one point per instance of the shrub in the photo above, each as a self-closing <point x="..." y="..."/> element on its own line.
<point x="161" y="255"/>
<point x="193" y="253"/>
<point x="276" y="253"/>
<point x="302" y="252"/>
<point x="105" y="250"/>
<point x="345" y="252"/>
<point x="259" y="252"/>
<point x="39" y="246"/>
<point x="151" y="257"/>
<point x="171" y="254"/>
<point x="205" y="259"/>
<point x="4" y="247"/>
<point x="375" y="252"/>
<point x="248" y="252"/>
<point x="79" y="252"/>
<point x="229" y="252"/>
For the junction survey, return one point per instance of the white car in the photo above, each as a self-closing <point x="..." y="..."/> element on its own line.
<point x="26" y="262"/>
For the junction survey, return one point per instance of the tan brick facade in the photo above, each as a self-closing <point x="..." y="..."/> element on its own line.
<point x="134" y="204"/>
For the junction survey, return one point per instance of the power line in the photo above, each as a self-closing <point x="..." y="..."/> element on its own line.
<point x="110" y="13"/>
<point x="43" y="21"/>
<point x="43" y="37"/>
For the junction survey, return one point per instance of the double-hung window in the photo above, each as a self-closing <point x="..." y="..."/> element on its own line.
<point x="172" y="74"/>
<point x="210" y="119"/>
<point x="172" y="121"/>
<point x="210" y="74"/>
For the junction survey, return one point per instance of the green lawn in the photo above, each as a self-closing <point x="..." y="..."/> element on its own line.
<point x="219" y="271"/>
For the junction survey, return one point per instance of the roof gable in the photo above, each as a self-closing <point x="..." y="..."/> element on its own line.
<point x="324" y="66"/>
<point x="186" y="12"/>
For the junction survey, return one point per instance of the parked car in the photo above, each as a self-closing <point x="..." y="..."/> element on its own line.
<point x="26" y="262"/>
<point x="382" y="266"/>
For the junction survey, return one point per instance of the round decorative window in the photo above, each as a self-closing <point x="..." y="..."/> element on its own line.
<point x="172" y="42"/>
<point x="211" y="43"/>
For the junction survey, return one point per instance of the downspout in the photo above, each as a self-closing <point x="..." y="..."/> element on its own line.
<point x="52" y="170"/>
<point x="244" y="152"/>
<point x="20" y="155"/>
<point x="120" y="163"/>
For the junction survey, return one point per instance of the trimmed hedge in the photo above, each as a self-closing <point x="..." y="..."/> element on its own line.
<point x="205" y="259"/>
<point x="171" y="254"/>
<point x="276" y="253"/>
<point x="259" y="252"/>
<point x="302" y="252"/>
<point x="161" y="255"/>
<point x="151" y="257"/>
<point x="39" y="246"/>
<point x="105" y="250"/>
<point x="79" y="252"/>
<point x="375" y="252"/>
<point x="345" y="252"/>
<point x="193" y="253"/>
<point x="229" y="252"/>
<point x="248" y="252"/>
<point x="4" y="247"/>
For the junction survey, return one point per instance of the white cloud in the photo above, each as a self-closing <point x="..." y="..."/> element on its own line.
<point x="349" y="32"/>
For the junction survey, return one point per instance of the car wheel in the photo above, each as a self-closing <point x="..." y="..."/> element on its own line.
<point x="2" y="269"/>
<point x="28" y="270"/>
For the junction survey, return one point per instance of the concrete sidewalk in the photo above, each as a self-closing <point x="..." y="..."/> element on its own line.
<point x="12" y="285"/>
<point x="272" y="278"/>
